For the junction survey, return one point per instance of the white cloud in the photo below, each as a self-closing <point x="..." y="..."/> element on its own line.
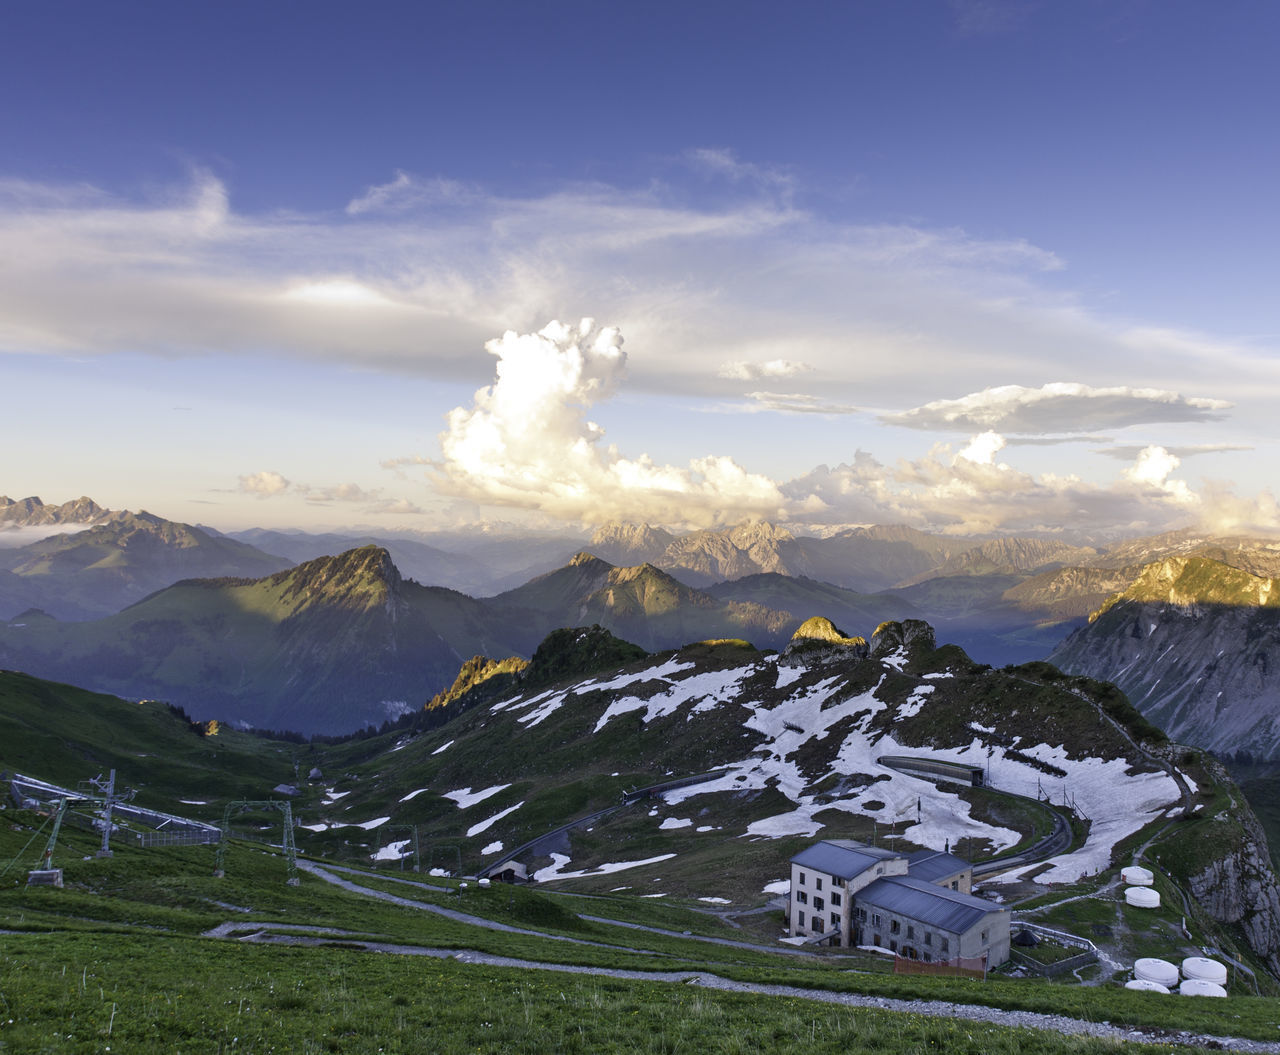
<point x="1129" y="453"/>
<point x="744" y="371"/>
<point x="969" y="492"/>
<point x="1059" y="407"/>
<point x="264" y="484"/>
<point x="418" y="271"/>
<point x="406" y="192"/>
<point x="795" y="403"/>
<point x="526" y="442"/>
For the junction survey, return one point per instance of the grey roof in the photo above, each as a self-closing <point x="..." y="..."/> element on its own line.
<point x="916" y="899"/>
<point x="842" y="858"/>
<point x="932" y="865"/>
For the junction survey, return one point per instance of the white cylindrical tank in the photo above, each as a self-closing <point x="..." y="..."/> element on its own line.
<point x="1204" y="970"/>
<point x="1147" y="987"/>
<point x="1142" y="897"/>
<point x="1153" y="970"/>
<point x="1136" y="875"/>
<point x="1198" y="987"/>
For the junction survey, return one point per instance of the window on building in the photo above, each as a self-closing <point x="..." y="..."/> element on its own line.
<point x="875" y="920"/>
<point x="802" y="897"/>
<point x="800" y="920"/>
<point x="835" y="898"/>
<point x="894" y="927"/>
<point x="928" y="937"/>
<point x="893" y="944"/>
<point x="984" y="937"/>
<point x="878" y="942"/>
<point x="955" y="884"/>
<point x="835" y="919"/>
<point x="911" y="931"/>
<point x="817" y="882"/>
<point x="928" y="958"/>
<point x="802" y="879"/>
<point x="946" y="945"/>
<point x="818" y="904"/>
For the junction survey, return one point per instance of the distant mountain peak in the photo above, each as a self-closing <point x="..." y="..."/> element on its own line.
<point x="32" y="512"/>
<point x="364" y="577"/>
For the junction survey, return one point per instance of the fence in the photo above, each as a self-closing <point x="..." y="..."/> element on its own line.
<point x="959" y="967"/>
<point x="202" y="837"/>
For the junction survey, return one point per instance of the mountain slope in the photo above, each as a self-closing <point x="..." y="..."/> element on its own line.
<point x="428" y="564"/>
<point x="642" y="604"/>
<point x="118" y="561"/>
<point x="802" y="597"/>
<point x="1195" y="644"/>
<point x="330" y="646"/>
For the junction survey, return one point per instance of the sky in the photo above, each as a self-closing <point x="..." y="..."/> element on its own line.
<point x="977" y="266"/>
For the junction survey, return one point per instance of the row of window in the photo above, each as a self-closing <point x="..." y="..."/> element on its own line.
<point x="816" y="920"/>
<point x="803" y="899"/>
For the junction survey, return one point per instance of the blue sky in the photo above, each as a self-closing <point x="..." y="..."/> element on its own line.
<point x="257" y="262"/>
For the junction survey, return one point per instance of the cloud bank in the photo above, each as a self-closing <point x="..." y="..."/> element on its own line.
<point x="411" y="274"/>
<point x="526" y="442"/>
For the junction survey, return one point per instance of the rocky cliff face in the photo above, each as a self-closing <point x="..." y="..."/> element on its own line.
<point x="1241" y="887"/>
<point x="1195" y="645"/>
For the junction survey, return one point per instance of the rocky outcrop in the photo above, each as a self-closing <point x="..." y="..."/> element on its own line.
<point x="909" y="635"/>
<point x="1241" y="887"/>
<point x="821" y="632"/>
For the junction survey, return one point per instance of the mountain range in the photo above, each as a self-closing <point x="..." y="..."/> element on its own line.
<point x="1191" y="646"/>
<point x="338" y="643"/>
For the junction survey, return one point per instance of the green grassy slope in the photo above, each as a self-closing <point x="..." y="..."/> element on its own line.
<point x="64" y="735"/>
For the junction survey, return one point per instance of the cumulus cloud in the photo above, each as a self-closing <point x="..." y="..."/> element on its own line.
<point x="264" y="484"/>
<point x="744" y="371"/>
<point x="1059" y="407"/>
<point x="526" y="442"/>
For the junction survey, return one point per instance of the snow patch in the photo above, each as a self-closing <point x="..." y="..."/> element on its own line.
<point x="465" y="797"/>
<point x="672" y="823"/>
<point x="444" y="747"/>
<point x="555" y="870"/>
<point x="483" y="826"/>
<point x="494" y="847"/>
<point x="393" y="851"/>
<point x="414" y="794"/>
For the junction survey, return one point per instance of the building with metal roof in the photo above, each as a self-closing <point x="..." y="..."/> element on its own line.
<point x="919" y="906"/>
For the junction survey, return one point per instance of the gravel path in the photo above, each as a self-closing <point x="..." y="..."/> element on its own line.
<point x="932" y="1008"/>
